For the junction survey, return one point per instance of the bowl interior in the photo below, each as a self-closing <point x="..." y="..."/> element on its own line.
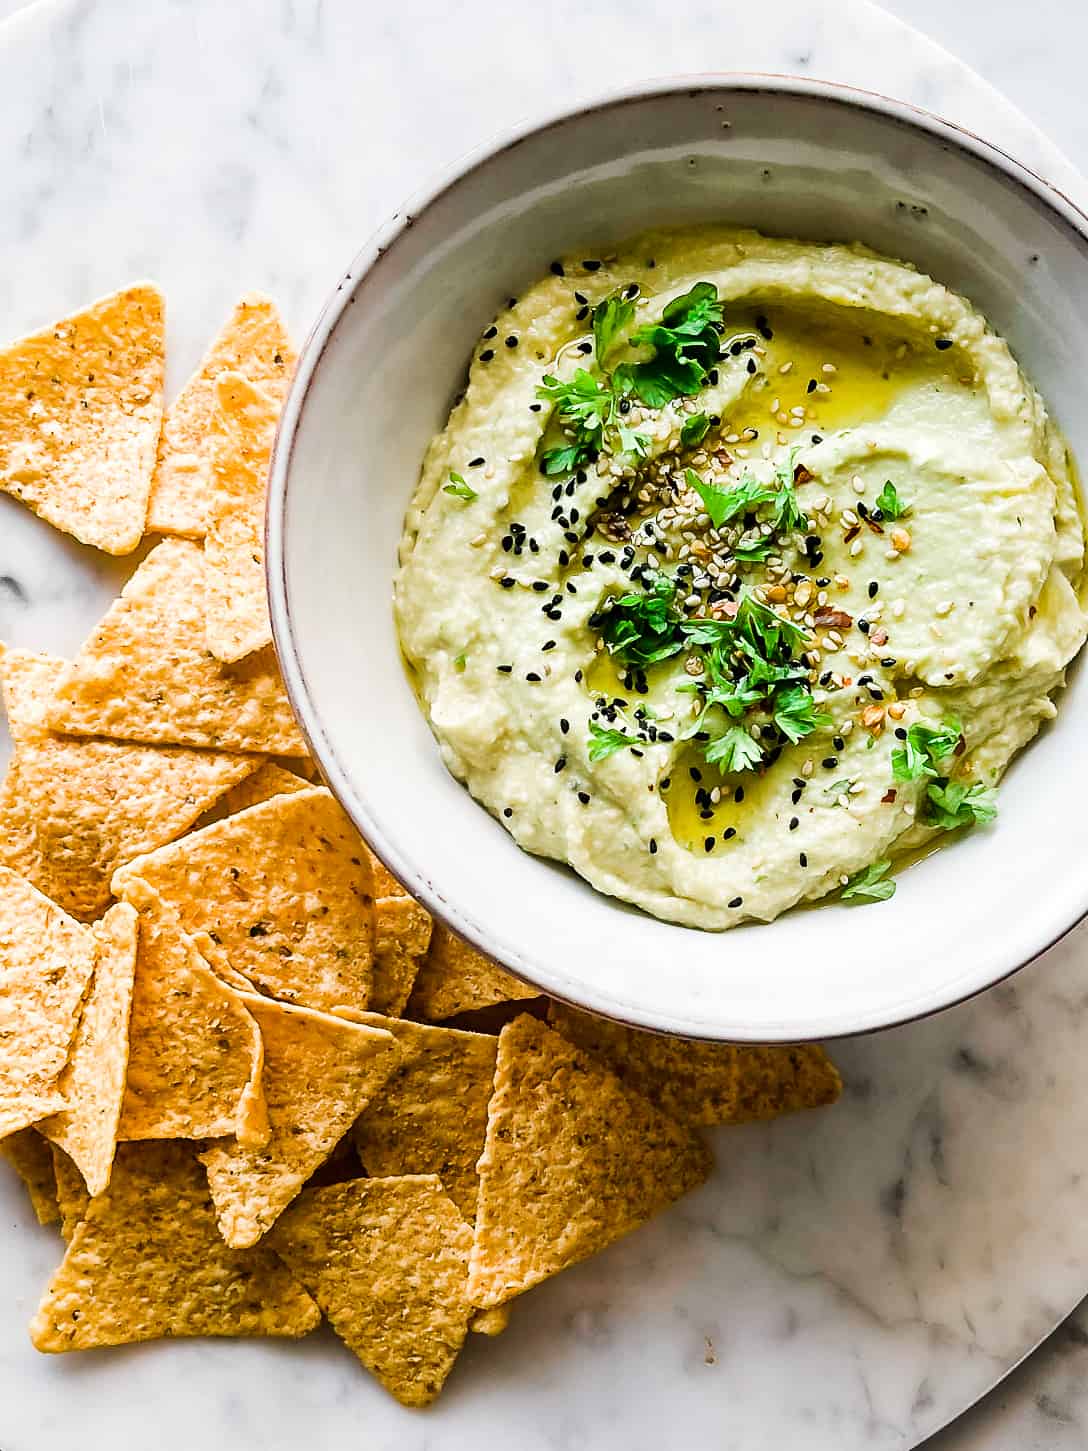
<point x="801" y="160"/>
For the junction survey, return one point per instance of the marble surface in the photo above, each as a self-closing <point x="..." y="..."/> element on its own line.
<point x="847" y="1280"/>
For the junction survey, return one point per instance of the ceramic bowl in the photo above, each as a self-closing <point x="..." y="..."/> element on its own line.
<point x="375" y="382"/>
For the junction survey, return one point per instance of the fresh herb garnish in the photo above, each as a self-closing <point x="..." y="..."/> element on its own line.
<point x="733" y="750"/>
<point x="924" y="749"/>
<point x="632" y="442"/>
<point x="695" y="429"/>
<point x="795" y="714"/>
<point x="959" y="804"/>
<point x="889" y="503"/>
<point x="459" y="489"/>
<point x="788" y="514"/>
<point x="584" y="407"/>
<point x="686" y="344"/>
<point x="605" y="742"/>
<point x="755" y="551"/>
<point x="610" y="317"/>
<point x="459" y="661"/>
<point x="722" y="505"/>
<point x="871" y="885"/>
<point x="642" y="628"/>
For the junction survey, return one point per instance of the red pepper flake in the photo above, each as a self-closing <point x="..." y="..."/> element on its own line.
<point x="888" y="797"/>
<point x="831" y="619"/>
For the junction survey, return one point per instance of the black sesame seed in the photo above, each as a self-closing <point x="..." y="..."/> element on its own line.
<point x="653" y="846"/>
<point x="708" y="844"/>
<point x="666" y="782"/>
<point x="811" y="386"/>
<point x="695" y="773"/>
<point x="706" y="815"/>
<point x="795" y="796"/>
<point x="581" y="314"/>
<point x="477" y="462"/>
<point x="487" y="355"/>
<point x="578" y="677"/>
<point x="587" y="560"/>
<point x="508" y="811"/>
<point x="729" y="833"/>
<point x="825" y="678"/>
<point x="839" y="743"/>
<point x="506" y="582"/>
<point x="607" y="556"/>
<point x="583" y="797"/>
<point x="942" y="343"/>
<point x="738" y="795"/>
<point x="504" y="669"/>
<point x="873" y="587"/>
<point x="570" y="536"/>
<point x="532" y="677"/>
<point x="666" y="737"/>
<point x="540" y="585"/>
<point x="511" y="341"/>
<point x="585" y="347"/>
<point x="817" y="438"/>
<point x="794" y="823"/>
<point x="535" y="407"/>
<point x="580" y="297"/>
<point x="534" y="547"/>
<point x="591" y="264"/>
<point x="563" y="557"/>
<point x="864" y="626"/>
<point x="888" y="661"/>
<point x="548" y="645"/>
<point x="900" y="733"/>
<point x="803" y="859"/>
<point x="736" y="902"/>
<point x="557" y="269"/>
<point x="560" y="765"/>
<point x="829" y="762"/>
<point x="751" y="365"/>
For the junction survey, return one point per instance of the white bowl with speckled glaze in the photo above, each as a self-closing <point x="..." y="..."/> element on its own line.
<point x="376" y="381"/>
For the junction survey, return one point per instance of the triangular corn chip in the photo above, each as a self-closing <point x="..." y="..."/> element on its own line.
<point x="146" y="1261"/>
<point x="93" y="1082"/>
<point x="78" y="809"/>
<point x="243" y="431"/>
<point x="320" y="1072"/>
<point x="253" y="341"/>
<point x="431" y="1116"/>
<point x="195" y="1057"/>
<point x="705" y="1083"/>
<point x="46" y="962"/>
<point x="72" y="1196"/>
<point x="80" y="411"/>
<point x="32" y="1159"/>
<point x="386" y="1261"/>
<point x="267" y="780"/>
<point x="385" y="883"/>
<point x="145" y="673"/>
<point x="282" y="891"/>
<point x="573" y="1160"/>
<point x="402" y="932"/>
<point x="455" y="978"/>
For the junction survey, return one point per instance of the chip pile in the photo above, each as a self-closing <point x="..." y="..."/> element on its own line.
<point x="242" y="1069"/>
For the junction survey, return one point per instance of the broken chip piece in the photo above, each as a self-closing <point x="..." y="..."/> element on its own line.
<point x="455" y="978"/>
<point x="32" y="1159"/>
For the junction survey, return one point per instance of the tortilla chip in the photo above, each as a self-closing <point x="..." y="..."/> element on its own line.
<point x="243" y="431"/>
<point x="93" y="1082"/>
<point x="386" y="1260"/>
<point x="283" y="892"/>
<point x="573" y="1160"/>
<point x="32" y="1159"/>
<point x="431" y="1117"/>
<point x="195" y="1056"/>
<point x="402" y="933"/>
<point x="72" y="1195"/>
<point x="385" y="883"/>
<point x="266" y="781"/>
<point x="147" y="1261"/>
<point x="46" y="962"/>
<point x="146" y="674"/>
<point x="253" y="341"/>
<point x="320" y="1072"/>
<point x="78" y="809"/>
<point x="455" y="978"/>
<point x="490" y="1322"/>
<point x="80" y="411"/>
<point x="705" y="1083"/>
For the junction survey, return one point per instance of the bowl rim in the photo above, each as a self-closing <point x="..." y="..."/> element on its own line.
<point x="336" y="773"/>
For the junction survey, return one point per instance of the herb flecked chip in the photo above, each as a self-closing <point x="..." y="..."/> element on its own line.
<point x="870" y="885"/>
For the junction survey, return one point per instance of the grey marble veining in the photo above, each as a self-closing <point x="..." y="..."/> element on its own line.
<point x="848" y="1280"/>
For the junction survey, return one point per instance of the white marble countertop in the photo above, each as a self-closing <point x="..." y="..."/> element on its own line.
<point x="844" y="1283"/>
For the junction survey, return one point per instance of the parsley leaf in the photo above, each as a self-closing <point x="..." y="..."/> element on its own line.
<point x="924" y="749"/>
<point x="459" y="489"/>
<point x="642" y="628"/>
<point x="795" y="714"/>
<point x="459" y="661"/>
<point x="733" y="750"/>
<point x="755" y="551"/>
<point x="604" y="742"/>
<point x="725" y="504"/>
<point x="889" y="503"/>
<point x="788" y="514"/>
<point x="632" y="442"/>
<point x="871" y="885"/>
<point x="686" y="346"/>
<point x="958" y="804"/>
<point x="695" y="429"/>
<point x="584" y="407"/>
<point x="610" y="317"/>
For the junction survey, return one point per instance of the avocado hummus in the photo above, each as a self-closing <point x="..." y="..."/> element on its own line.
<point x="740" y="571"/>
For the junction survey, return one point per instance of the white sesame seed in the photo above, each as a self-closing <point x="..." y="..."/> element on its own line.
<point x="829" y="368"/>
<point x="856" y="547"/>
<point x="945" y="608"/>
<point x="786" y="368"/>
<point x="808" y="768"/>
